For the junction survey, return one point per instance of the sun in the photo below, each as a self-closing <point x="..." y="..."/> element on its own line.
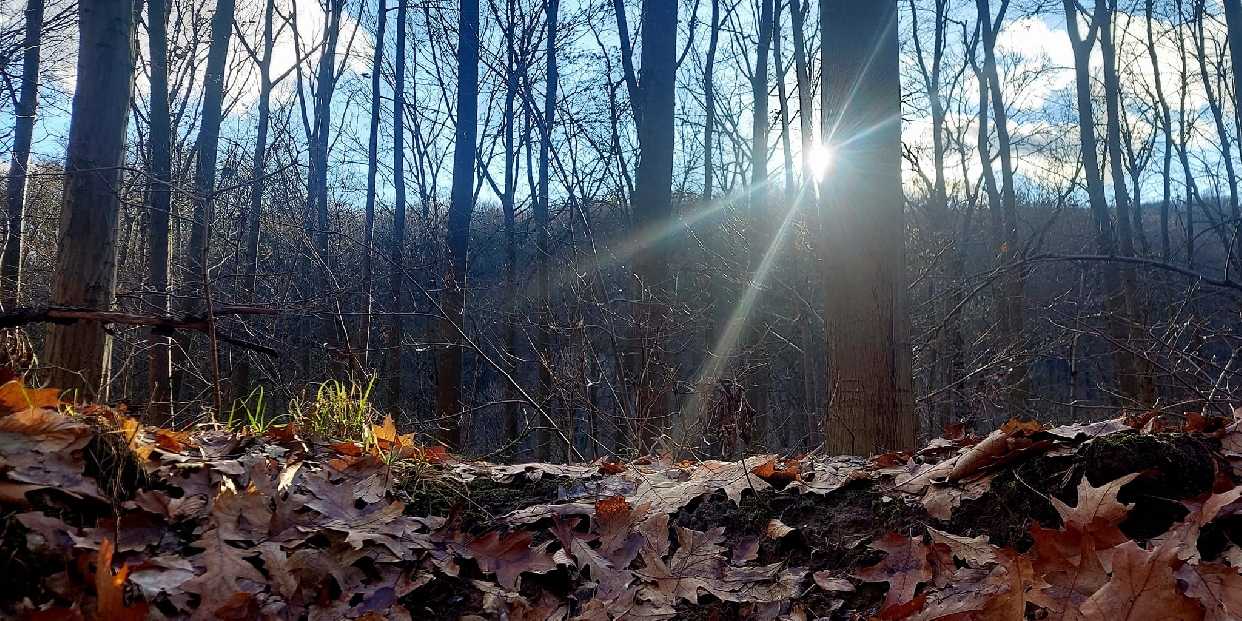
<point x="821" y="160"/>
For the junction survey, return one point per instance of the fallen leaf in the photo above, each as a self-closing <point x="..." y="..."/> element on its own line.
<point x="825" y="581"/>
<point x="1142" y="588"/>
<point x="15" y="397"/>
<point x="904" y="568"/>
<point x="110" y="590"/>
<point x="510" y="556"/>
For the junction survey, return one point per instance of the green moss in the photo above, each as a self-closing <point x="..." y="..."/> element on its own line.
<point x="1175" y="467"/>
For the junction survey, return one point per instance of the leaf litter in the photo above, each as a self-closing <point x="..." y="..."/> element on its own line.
<point x="1028" y="522"/>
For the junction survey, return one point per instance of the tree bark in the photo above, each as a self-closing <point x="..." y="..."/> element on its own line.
<point x="396" y="332"/>
<point x="23" y="133"/>
<point x="79" y="355"/>
<point x="1114" y="302"/>
<point x="461" y="206"/>
<point x="871" y="404"/>
<point x="206" y="152"/>
<point x="258" y="186"/>
<point x="652" y="209"/>
<point x="709" y="103"/>
<point x="542" y="209"/>
<point x="760" y="226"/>
<point x="160" y="404"/>
<point x="1129" y="279"/>
<point x="368" y="235"/>
<point x="1003" y="201"/>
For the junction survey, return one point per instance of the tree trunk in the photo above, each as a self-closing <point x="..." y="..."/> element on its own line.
<point x="258" y="185"/>
<point x="652" y="209"/>
<point x="461" y="206"/>
<point x="317" y="181"/>
<point x="1229" y="235"/>
<point x="160" y="405"/>
<point x="1114" y="301"/>
<point x="807" y="123"/>
<point x="85" y="275"/>
<point x="1004" y="205"/>
<point x="542" y="208"/>
<point x="397" y="252"/>
<point x="206" y="152"/>
<point x="709" y="102"/>
<point x="368" y="235"/>
<point x="23" y="133"/>
<point x="760" y="228"/>
<point x="1129" y="279"/>
<point x="1233" y="21"/>
<point x="871" y="403"/>
<point x="1166" y="127"/>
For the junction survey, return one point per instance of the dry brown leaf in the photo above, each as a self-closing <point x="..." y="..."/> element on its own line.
<point x="510" y="556"/>
<point x="110" y="590"/>
<point x="904" y="568"/>
<point x="1142" y="588"/>
<point x="15" y="397"/>
<point x="1217" y="587"/>
<point x="1095" y="503"/>
<point x="825" y="581"/>
<point x="777" y="529"/>
<point x="976" y="551"/>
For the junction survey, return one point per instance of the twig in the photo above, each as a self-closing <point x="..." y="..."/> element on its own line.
<point x="161" y="324"/>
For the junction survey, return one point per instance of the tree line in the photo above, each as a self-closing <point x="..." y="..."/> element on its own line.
<point x="562" y="230"/>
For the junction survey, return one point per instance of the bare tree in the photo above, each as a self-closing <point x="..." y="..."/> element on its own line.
<point x="461" y="207"/>
<point x="397" y="274"/>
<point x="652" y="209"/>
<point x="160" y="407"/>
<point x="80" y="355"/>
<point x="27" y="107"/>
<point x="368" y="236"/>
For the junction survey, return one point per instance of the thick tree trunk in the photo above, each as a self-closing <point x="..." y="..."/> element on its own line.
<point x="160" y="405"/>
<point x="23" y="133"/>
<point x="652" y="208"/>
<point x="78" y="355"/>
<point x="870" y="386"/>
<point x="396" y="332"/>
<point x="461" y="206"/>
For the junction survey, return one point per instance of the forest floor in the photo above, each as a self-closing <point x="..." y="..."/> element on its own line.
<point x="103" y="518"/>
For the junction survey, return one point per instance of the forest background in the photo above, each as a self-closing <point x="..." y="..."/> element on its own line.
<point x="1067" y="245"/>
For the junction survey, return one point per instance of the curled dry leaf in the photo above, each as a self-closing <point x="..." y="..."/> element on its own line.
<point x="904" y="568"/>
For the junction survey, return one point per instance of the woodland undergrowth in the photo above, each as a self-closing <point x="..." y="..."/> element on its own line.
<point x="104" y="518"/>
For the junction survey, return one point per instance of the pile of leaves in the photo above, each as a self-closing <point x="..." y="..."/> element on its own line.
<point x="104" y="518"/>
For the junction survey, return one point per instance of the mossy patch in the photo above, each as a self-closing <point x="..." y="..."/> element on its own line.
<point x="1175" y="467"/>
<point x="483" y="501"/>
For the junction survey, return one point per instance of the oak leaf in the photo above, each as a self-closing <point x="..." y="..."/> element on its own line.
<point x="1217" y="587"/>
<point x="904" y="568"/>
<point x="508" y="557"/>
<point x="1143" y="588"/>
